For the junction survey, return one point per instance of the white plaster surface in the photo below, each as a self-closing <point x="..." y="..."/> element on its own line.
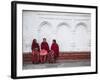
<point x="71" y="30"/>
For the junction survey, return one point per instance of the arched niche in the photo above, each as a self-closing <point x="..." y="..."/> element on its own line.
<point x="63" y="24"/>
<point x="81" y="24"/>
<point x="81" y="36"/>
<point x="45" y="31"/>
<point x="44" y="23"/>
<point x="63" y="36"/>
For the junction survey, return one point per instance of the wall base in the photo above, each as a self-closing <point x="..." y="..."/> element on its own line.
<point x="27" y="57"/>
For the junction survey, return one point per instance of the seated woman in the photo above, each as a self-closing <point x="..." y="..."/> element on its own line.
<point x="35" y="51"/>
<point x="43" y="54"/>
<point x="55" y="48"/>
<point x="44" y="48"/>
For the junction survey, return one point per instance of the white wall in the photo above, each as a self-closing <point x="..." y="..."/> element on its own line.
<point x="71" y="30"/>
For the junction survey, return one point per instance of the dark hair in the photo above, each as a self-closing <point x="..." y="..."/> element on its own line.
<point x="44" y="38"/>
<point x="54" y="40"/>
<point x="34" y="40"/>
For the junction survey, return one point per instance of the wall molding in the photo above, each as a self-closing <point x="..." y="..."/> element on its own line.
<point x="27" y="56"/>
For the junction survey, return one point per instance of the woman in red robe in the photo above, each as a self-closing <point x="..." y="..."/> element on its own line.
<point x="55" y="48"/>
<point x="35" y="51"/>
<point x="44" y="46"/>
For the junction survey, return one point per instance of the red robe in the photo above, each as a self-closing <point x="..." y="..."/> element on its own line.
<point x="35" y="45"/>
<point x="35" y="57"/>
<point x="55" y="48"/>
<point x="44" y="45"/>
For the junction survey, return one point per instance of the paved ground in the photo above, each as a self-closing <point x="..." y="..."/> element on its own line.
<point x="61" y="63"/>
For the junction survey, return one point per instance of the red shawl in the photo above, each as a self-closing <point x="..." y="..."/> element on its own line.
<point x="44" y="45"/>
<point x="55" y="48"/>
<point x="35" y="45"/>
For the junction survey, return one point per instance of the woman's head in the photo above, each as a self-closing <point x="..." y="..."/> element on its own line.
<point x="34" y="40"/>
<point x="44" y="39"/>
<point x="54" y="41"/>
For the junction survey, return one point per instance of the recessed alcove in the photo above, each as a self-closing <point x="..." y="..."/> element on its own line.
<point x="44" y="31"/>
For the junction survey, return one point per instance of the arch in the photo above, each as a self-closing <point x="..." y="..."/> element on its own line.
<point x="81" y="24"/>
<point x="44" y="31"/>
<point x="81" y="35"/>
<point x="63" y="24"/>
<point x="44" y="23"/>
<point x="63" y="36"/>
